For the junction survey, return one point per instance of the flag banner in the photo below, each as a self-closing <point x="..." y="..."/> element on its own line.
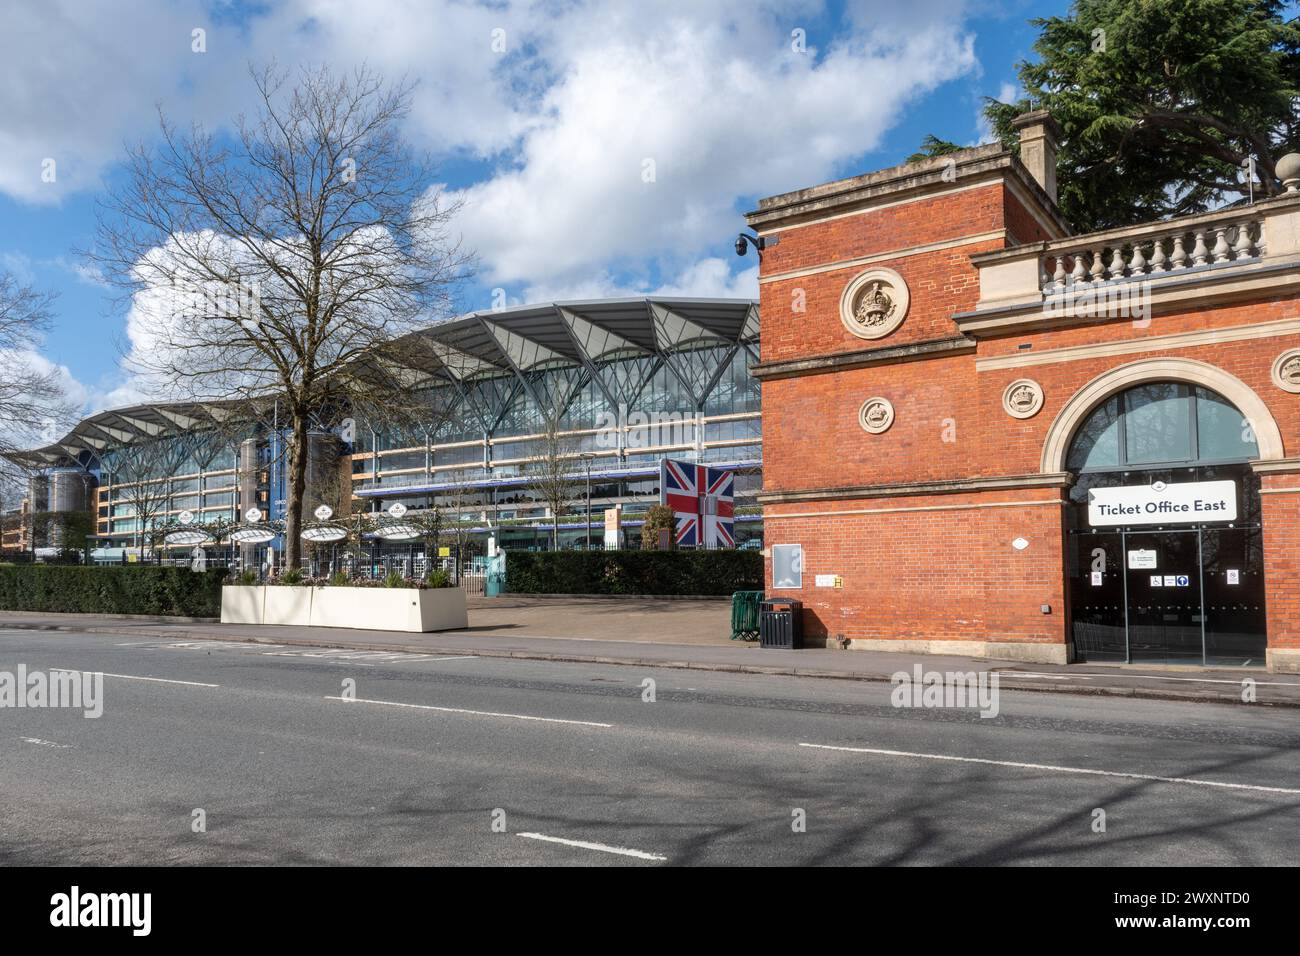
<point x="703" y="503"/>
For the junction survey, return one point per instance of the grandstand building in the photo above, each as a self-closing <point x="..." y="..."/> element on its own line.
<point x="626" y="381"/>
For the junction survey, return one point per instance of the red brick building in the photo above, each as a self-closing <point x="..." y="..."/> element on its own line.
<point x="988" y="436"/>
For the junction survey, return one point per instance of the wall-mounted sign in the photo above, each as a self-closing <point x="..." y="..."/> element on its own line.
<point x="1157" y="580"/>
<point x="827" y="580"/>
<point x="787" y="565"/>
<point x="1234" y="576"/>
<point x="1096" y="579"/>
<point x="1183" y="503"/>
<point x="1142" y="560"/>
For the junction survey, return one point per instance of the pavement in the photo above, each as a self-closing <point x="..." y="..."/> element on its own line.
<point x="690" y="635"/>
<point x="227" y="752"/>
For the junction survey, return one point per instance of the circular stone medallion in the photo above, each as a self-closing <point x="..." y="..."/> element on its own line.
<point x="876" y="415"/>
<point x="1286" y="371"/>
<point x="1023" y="398"/>
<point x="874" y="304"/>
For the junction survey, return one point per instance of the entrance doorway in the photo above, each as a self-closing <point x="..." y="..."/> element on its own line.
<point x="1153" y="578"/>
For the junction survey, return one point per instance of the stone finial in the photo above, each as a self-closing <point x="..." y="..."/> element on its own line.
<point x="1288" y="170"/>
<point x="1039" y="137"/>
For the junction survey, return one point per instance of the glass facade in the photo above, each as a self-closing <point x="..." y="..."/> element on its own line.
<point x="607" y="387"/>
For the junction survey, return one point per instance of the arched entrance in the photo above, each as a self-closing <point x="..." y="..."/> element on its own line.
<point x="1164" y="536"/>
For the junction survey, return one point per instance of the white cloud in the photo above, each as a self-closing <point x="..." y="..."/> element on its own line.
<point x="585" y="93"/>
<point x="720" y="114"/>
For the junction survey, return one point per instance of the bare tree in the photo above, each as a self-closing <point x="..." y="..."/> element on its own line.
<point x="33" y="404"/>
<point x="550" y="471"/>
<point x="288" y="262"/>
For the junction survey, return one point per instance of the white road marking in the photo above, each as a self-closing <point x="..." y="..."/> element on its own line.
<point x="1190" y="680"/>
<point x="45" y="743"/>
<point x="601" y="847"/>
<point x="473" y="713"/>
<point x="1055" y="769"/>
<point x="156" y="680"/>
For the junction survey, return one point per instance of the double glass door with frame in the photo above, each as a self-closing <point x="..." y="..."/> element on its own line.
<point x="1169" y="596"/>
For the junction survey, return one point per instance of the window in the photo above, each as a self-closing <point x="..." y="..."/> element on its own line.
<point x="1161" y="423"/>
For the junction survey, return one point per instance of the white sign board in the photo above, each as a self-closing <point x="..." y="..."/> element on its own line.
<point x="825" y="580"/>
<point x="1234" y="576"/>
<point x="1142" y="560"/>
<point x="253" y="514"/>
<point x="324" y="513"/>
<point x="1183" y="503"/>
<point x="787" y="565"/>
<point x="397" y="509"/>
<point x="185" y="517"/>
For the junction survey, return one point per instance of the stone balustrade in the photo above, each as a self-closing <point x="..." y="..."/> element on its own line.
<point x="1180" y="262"/>
<point x="1104" y="257"/>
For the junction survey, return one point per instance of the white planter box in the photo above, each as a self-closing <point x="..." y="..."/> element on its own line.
<point x="242" y="604"/>
<point x="390" y="609"/>
<point x="287" y="604"/>
<point x="370" y="609"/>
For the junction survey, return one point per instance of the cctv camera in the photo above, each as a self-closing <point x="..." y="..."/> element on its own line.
<point x="740" y="245"/>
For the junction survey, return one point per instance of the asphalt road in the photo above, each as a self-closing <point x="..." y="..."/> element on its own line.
<point x="575" y="768"/>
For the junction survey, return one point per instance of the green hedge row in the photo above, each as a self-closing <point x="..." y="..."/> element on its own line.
<point x="111" y="589"/>
<point x="633" y="572"/>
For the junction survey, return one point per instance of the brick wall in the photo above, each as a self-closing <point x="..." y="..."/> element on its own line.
<point x="941" y="566"/>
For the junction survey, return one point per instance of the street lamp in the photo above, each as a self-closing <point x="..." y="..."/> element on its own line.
<point x="587" y="456"/>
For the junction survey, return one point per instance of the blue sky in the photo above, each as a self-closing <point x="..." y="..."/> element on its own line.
<point x="544" y="141"/>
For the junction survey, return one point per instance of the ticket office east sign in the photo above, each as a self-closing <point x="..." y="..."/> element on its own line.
<point x="1159" y="503"/>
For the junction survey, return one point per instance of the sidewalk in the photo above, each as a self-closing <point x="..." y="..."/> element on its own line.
<point x="495" y="633"/>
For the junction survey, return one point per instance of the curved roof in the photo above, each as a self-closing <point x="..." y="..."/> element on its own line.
<point x="490" y="342"/>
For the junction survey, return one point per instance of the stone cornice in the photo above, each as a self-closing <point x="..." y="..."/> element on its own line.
<point x="919" y="488"/>
<point x="862" y="358"/>
<point x="1277" y="466"/>
<point x="905" y="181"/>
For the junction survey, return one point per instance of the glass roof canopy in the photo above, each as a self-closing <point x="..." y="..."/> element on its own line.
<point x="508" y="342"/>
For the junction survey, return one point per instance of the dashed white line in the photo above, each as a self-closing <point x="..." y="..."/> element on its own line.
<point x="599" y="847"/>
<point x="156" y="680"/>
<point x="1054" y="769"/>
<point x="45" y="743"/>
<point x="472" y="713"/>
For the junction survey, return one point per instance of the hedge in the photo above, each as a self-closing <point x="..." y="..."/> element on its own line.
<point x="111" y="589"/>
<point x="633" y="572"/>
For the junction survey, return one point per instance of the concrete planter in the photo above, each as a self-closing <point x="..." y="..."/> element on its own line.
<point x="371" y="609"/>
<point x="242" y="604"/>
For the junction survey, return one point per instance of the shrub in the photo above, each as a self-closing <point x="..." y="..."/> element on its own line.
<point x="395" y="579"/>
<point x="112" y="589"/>
<point x="439" y="578"/>
<point x="658" y="518"/>
<point x="339" y="579"/>
<point x="293" y="576"/>
<point x="247" y="578"/>
<point x="633" y="572"/>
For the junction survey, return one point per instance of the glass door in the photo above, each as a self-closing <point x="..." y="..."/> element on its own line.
<point x="1233" y="579"/>
<point x="1165" y="612"/>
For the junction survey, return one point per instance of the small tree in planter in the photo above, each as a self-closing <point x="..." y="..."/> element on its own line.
<point x="658" y="518"/>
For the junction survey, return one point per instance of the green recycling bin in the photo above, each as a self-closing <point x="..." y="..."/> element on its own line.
<point x="744" y="615"/>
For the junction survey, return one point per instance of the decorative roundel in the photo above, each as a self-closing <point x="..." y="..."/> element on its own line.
<point x="876" y="415"/>
<point x="1023" y="398"/>
<point x="1286" y="371"/>
<point x="874" y="304"/>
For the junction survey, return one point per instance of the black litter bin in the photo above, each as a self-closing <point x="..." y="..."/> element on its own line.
<point x="780" y="624"/>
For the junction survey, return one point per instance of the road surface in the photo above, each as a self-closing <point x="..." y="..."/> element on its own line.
<point x="463" y="760"/>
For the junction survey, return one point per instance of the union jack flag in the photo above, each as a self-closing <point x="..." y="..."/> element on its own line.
<point x="703" y="502"/>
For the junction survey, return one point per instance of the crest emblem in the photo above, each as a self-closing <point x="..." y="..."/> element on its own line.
<point x="874" y="304"/>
